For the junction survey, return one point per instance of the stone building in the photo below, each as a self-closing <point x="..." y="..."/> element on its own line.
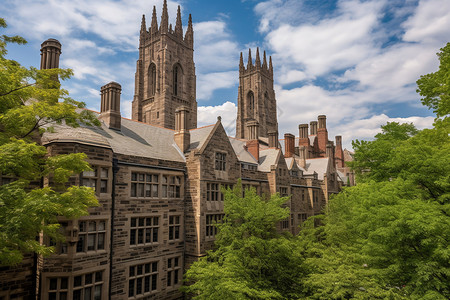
<point x="158" y="177"/>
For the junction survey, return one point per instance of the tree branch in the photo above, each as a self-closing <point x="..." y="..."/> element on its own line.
<point x="17" y="89"/>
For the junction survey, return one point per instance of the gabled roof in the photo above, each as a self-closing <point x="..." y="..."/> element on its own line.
<point x="134" y="138"/>
<point x="267" y="158"/>
<point x="199" y="136"/>
<point x="318" y="165"/>
<point x="242" y="154"/>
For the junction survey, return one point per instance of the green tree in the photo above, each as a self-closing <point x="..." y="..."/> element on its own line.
<point x="435" y="87"/>
<point x="30" y="101"/>
<point x="387" y="237"/>
<point x="251" y="259"/>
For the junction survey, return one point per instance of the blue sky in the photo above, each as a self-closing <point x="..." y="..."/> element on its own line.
<point x="354" y="61"/>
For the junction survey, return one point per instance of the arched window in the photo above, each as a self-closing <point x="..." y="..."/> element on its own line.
<point x="151" y="80"/>
<point x="177" y="80"/>
<point x="251" y="104"/>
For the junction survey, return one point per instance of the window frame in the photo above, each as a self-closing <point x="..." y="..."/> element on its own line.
<point x="147" y="230"/>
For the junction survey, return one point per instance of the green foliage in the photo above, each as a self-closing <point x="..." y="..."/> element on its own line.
<point x="388" y="236"/>
<point x="251" y="260"/>
<point x="435" y="87"/>
<point x="376" y="155"/>
<point x="30" y="101"/>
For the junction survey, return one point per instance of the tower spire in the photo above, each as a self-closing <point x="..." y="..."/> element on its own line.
<point x="270" y="65"/>
<point x="249" y="63"/>
<point x="189" y="37"/>
<point x="257" y="59"/>
<point x="154" y="25"/>
<point x="143" y="26"/>
<point x="164" y="18"/>
<point x="264" y="64"/>
<point x="179" y="25"/>
<point x="241" y="63"/>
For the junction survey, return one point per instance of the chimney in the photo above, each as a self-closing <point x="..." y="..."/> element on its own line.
<point x="330" y="152"/>
<point x="110" y="105"/>
<point x="303" y="135"/>
<point x="302" y="155"/>
<point x="253" y="130"/>
<point x="182" y="135"/>
<point x="273" y="139"/>
<point x="50" y="52"/>
<point x="339" y="153"/>
<point x="289" y="145"/>
<point x="253" y="148"/>
<point x="322" y="135"/>
<point x="313" y="125"/>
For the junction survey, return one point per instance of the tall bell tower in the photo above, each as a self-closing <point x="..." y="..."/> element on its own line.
<point x="256" y="98"/>
<point x="165" y="72"/>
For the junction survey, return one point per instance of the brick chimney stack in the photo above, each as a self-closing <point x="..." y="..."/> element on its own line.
<point x="50" y="52"/>
<point x="273" y="139"/>
<point x="313" y="126"/>
<point x="182" y="135"/>
<point x="322" y="135"/>
<point x="289" y="145"/>
<point x="339" y="153"/>
<point x="303" y="135"/>
<point x="110" y="105"/>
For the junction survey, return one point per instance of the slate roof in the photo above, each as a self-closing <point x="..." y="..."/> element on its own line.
<point x="267" y="158"/>
<point x="134" y="138"/>
<point x="242" y="154"/>
<point x="199" y="136"/>
<point x="318" y="165"/>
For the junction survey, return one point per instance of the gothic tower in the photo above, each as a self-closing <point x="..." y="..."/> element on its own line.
<point x="165" y="72"/>
<point x="256" y="97"/>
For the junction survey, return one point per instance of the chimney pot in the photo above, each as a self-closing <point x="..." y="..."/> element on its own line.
<point x="110" y="105"/>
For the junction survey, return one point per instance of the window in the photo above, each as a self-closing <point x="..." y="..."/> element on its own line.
<point x="294" y="173"/>
<point x="151" y="80"/>
<point x="283" y="191"/>
<point x="211" y="221"/>
<point x="221" y="161"/>
<point x="171" y="186"/>
<point x="60" y="247"/>
<point x="173" y="271"/>
<point x="58" y="288"/>
<point x="315" y="197"/>
<point x="249" y="167"/>
<point x="88" y="286"/>
<point x="177" y="74"/>
<point x="303" y="195"/>
<point x="174" y="227"/>
<point x="144" y="230"/>
<point x="144" y="185"/>
<point x="96" y="179"/>
<point x="91" y="236"/>
<point x="251" y="104"/>
<point x="212" y="192"/>
<point x="302" y="217"/>
<point x="143" y="279"/>
<point x="285" y="224"/>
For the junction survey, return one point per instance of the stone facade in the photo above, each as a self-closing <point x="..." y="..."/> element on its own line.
<point x="165" y="72"/>
<point x="158" y="179"/>
<point x="256" y="97"/>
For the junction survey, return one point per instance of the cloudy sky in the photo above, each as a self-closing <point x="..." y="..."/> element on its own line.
<point x="354" y="61"/>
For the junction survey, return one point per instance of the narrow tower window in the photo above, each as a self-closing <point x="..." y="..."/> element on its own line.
<point x="177" y="83"/>
<point x="151" y="80"/>
<point x="251" y="103"/>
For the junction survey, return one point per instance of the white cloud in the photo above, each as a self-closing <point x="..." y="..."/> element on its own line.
<point x="366" y="129"/>
<point x="208" y="83"/>
<point x="430" y="23"/>
<point x="207" y="115"/>
<point x="331" y="44"/>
